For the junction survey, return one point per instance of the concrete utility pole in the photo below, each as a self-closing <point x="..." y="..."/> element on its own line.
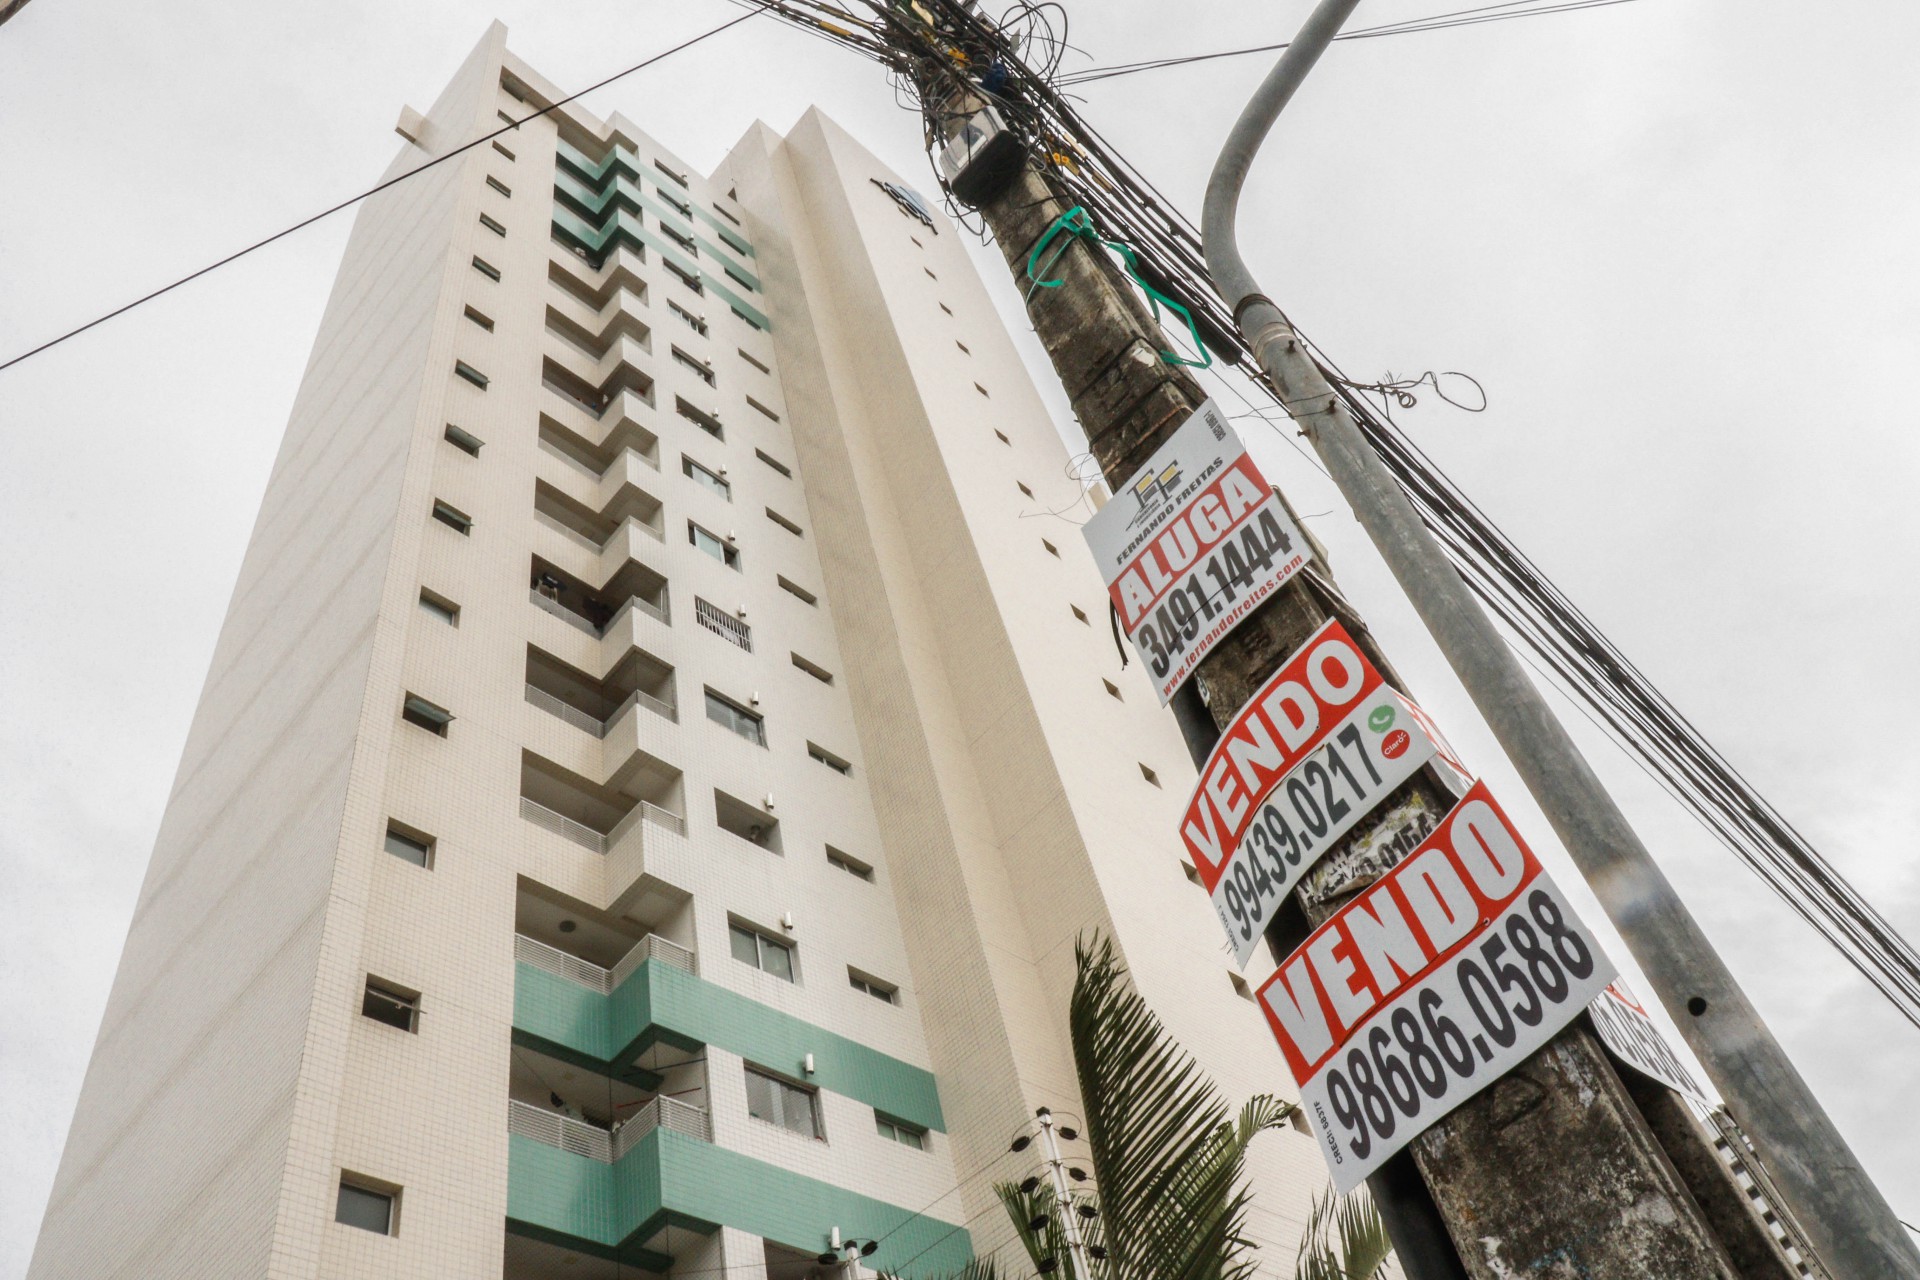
<point x="1063" y="1199"/>
<point x="1551" y="1168"/>
<point x="1851" y="1226"/>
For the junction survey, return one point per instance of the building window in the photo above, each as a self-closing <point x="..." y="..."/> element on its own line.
<point x="768" y="955"/>
<point x="507" y="118"/>
<point x="885" y="992"/>
<point x="964" y="349"/>
<point x="720" y="550"/>
<point x="1002" y="435"/>
<point x="492" y="226"/>
<point x="700" y="371"/>
<point x="769" y="414"/>
<point x="748" y="357"/>
<point x="721" y="210"/>
<point x="828" y="759"/>
<point x="696" y="323"/>
<point x="1112" y="689"/>
<point x="440" y="607"/>
<point x="434" y="719"/>
<point x="751" y="322"/>
<point x="409" y="845"/>
<point x="723" y="624"/>
<point x="500" y="186"/>
<point x="1023" y="488"/>
<point x="748" y="724"/>
<point x="395" y="1006"/>
<point x="684" y="276"/>
<point x="848" y="863"/>
<point x="707" y="479"/>
<point x="699" y="418"/>
<point x="688" y="243"/>
<point x="797" y="591"/>
<point x="452" y="517"/>
<point x="982" y="390"/>
<point x="485" y="268"/>
<point x="503" y="151"/>
<point x="463" y="440"/>
<point x="781" y="1103"/>
<point x="1051" y="549"/>
<point x="366" y="1207"/>
<point x="471" y="374"/>
<point x="680" y="178"/>
<point x="785" y="523"/>
<point x="813" y="669"/>
<point x="944" y="307"/>
<point x="484" y="321"/>
<point x="1150" y="775"/>
<point x="907" y="1135"/>
<point x="1080" y="613"/>
<point x="930" y="275"/>
<point x="775" y="463"/>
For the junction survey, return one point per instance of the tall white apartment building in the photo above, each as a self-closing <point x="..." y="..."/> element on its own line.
<point x="664" y="743"/>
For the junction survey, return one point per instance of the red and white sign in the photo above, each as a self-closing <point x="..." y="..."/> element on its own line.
<point x="1427" y="987"/>
<point x="1191" y="546"/>
<point x="1316" y="750"/>
<point x="1628" y="1030"/>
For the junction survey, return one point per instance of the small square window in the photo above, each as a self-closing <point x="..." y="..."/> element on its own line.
<point x="503" y="151"/>
<point x="1191" y="872"/>
<point x="696" y="323"/>
<point x="785" y="523"/>
<point x="1023" y="488"/>
<point x="740" y="280"/>
<point x="813" y="669"/>
<point x="471" y="374"/>
<point x="780" y="1102"/>
<point x="366" y="1208"/>
<point x="507" y="118"/>
<point x="930" y="274"/>
<point x="462" y="439"/>
<point x="710" y="480"/>
<point x="395" y="1006"/>
<point x="1051" y="549"/>
<point x="700" y="370"/>
<point x="1112" y="689"/>
<point x="965" y="350"/>
<point x="500" y="186"/>
<point x="885" y="992"/>
<point x="751" y="322"/>
<point x="797" y="591"/>
<point x="848" y="863"/>
<point x="916" y="242"/>
<point x="684" y="276"/>
<point x="409" y="845"/>
<point x="721" y="210"/>
<point x="680" y="178"/>
<point x="1150" y="775"/>
<point x="485" y="268"/>
<point x="492" y="226"/>
<point x="452" y="517"/>
<point x="748" y="357"/>
<point x="1241" y="988"/>
<point x="907" y="1135"/>
<point x="484" y="321"/>
<point x="775" y="463"/>
<point x="440" y="607"/>
<point x="730" y="714"/>
<point x="982" y="390"/>
<point x="1080" y="613"/>
<point x="944" y="307"/>
<point x="1003" y="436"/>
<point x="828" y="759"/>
<point x="416" y="710"/>
<point x="765" y="412"/>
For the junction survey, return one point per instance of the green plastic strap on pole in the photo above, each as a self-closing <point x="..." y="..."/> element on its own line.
<point x="1077" y="223"/>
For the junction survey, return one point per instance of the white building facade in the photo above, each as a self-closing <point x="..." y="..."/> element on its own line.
<point x="663" y="746"/>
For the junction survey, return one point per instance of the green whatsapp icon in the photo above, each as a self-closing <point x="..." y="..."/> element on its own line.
<point x="1381" y="720"/>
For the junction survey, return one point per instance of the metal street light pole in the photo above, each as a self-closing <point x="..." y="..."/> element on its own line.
<point x="1853" y="1229"/>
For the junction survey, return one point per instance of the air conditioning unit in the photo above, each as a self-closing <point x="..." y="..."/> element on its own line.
<point x="981" y="158"/>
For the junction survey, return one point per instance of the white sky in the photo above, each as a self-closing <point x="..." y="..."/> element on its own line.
<point x="1673" y="239"/>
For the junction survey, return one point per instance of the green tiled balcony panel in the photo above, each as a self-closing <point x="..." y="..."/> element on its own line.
<point x="584" y="176"/>
<point x="672" y="1180"/>
<point x="623" y="196"/>
<point x="662" y="1004"/>
<point x="622" y="226"/>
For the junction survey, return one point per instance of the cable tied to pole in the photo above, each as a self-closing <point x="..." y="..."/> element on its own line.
<point x="1077" y="224"/>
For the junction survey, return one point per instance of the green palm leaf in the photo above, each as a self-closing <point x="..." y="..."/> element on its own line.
<point x="1344" y="1240"/>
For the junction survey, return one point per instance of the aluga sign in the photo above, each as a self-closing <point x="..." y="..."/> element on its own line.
<point x="1317" y="749"/>
<point x="1191" y="546"/>
<point x="1429" y="986"/>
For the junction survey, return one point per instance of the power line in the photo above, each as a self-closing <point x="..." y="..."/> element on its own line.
<point x="1432" y="22"/>
<point x="350" y="201"/>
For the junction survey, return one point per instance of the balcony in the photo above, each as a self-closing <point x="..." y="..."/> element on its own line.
<point x="594" y="453"/>
<point x="595" y="609"/>
<point x="597" y="530"/>
<point x="564" y="964"/>
<point x="586" y="396"/>
<point x="596" y="816"/>
<point x="592" y="705"/>
<point x="590" y="1140"/>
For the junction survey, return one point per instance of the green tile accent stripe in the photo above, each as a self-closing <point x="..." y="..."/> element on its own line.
<point x="673" y="1180"/>
<point x="662" y="1003"/>
<point x="584" y="180"/>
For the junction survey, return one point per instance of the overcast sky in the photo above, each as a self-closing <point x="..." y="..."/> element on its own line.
<point x="1673" y="238"/>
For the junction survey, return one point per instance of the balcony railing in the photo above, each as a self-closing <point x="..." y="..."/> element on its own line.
<point x="599" y="728"/>
<point x="564" y="964"/>
<point x="568" y="530"/>
<point x="660" y="612"/>
<point x="606" y="1146"/>
<point x="724" y="625"/>
<point x="563" y="613"/>
<point x="561" y="825"/>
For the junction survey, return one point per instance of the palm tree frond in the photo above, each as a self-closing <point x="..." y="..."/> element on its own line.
<point x="1344" y="1239"/>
